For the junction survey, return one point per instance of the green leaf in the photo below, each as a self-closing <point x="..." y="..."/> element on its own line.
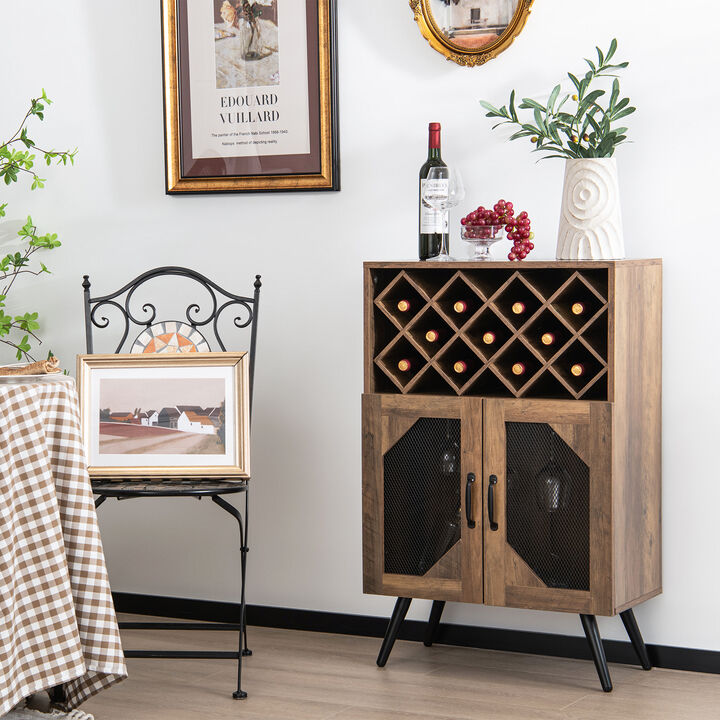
<point x="529" y="104"/>
<point x="611" y="50"/>
<point x="492" y="110"/>
<point x="520" y="134"/>
<point x="553" y="98"/>
<point x="513" y="112"/>
<point x="624" y="113"/>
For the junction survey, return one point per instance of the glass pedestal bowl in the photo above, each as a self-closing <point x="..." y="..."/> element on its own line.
<point x="481" y="238"/>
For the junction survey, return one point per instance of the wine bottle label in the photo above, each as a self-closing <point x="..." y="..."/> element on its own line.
<point x="547" y="339"/>
<point x="518" y="308"/>
<point x="460" y="306"/>
<point x="577" y="370"/>
<point x="459" y="367"/>
<point x="432" y="335"/>
<point x="403" y="306"/>
<point x="518" y="369"/>
<point x="489" y="338"/>
<point x="577" y="308"/>
<point x="404" y="365"/>
<point x="433" y="221"/>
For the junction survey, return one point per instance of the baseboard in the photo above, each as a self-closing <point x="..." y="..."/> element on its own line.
<point x="662" y="656"/>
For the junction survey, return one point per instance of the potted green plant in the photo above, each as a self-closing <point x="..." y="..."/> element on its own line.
<point x="583" y="128"/>
<point x="18" y="156"/>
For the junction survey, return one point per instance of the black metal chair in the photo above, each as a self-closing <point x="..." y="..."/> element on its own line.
<point x="123" y="302"/>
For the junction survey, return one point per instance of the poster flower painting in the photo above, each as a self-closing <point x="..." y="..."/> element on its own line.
<point x="246" y="43"/>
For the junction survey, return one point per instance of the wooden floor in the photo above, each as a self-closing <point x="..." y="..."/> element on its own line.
<point x="302" y="676"/>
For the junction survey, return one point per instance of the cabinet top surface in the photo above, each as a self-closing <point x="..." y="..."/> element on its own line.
<point x="531" y="264"/>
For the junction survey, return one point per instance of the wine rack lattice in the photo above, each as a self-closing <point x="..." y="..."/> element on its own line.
<point x="496" y="332"/>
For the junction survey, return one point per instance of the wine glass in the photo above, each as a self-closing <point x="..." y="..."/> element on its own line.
<point x="444" y="189"/>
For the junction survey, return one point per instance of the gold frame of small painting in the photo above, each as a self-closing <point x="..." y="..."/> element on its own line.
<point x="469" y="57"/>
<point x="165" y="416"/>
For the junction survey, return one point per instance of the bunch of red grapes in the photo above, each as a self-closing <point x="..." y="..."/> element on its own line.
<point x="484" y="224"/>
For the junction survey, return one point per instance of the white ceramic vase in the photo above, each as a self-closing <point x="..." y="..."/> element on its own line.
<point x="590" y="220"/>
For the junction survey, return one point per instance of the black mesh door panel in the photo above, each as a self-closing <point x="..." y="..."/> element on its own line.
<point x="548" y="502"/>
<point x="422" y="496"/>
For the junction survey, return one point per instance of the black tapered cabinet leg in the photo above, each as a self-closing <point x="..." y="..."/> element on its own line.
<point x="435" y="614"/>
<point x="633" y="631"/>
<point x="592" y="634"/>
<point x="401" y="607"/>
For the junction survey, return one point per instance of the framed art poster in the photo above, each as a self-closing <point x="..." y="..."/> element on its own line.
<point x="250" y="95"/>
<point x="175" y="415"/>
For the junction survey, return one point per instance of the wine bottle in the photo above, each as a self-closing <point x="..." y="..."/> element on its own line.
<point x="404" y="365"/>
<point x="577" y="308"/>
<point x="433" y="224"/>
<point x="432" y="336"/>
<point x="460" y="307"/>
<point x="489" y="338"/>
<point x="547" y="339"/>
<point x="518" y="369"/>
<point x="460" y="367"/>
<point x="577" y="370"/>
<point x="403" y="305"/>
<point x="518" y="308"/>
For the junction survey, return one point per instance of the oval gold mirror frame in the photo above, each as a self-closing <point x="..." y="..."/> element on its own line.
<point x="468" y="57"/>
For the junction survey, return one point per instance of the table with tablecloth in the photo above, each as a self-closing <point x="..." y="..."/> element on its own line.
<point x="57" y="620"/>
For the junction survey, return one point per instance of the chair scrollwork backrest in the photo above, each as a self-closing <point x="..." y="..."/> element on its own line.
<point x="204" y="315"/>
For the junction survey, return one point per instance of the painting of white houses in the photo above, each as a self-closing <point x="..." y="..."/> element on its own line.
<point x="190" y="421"/>
<point x="151" y="418"/>
<point x="473" y="23"/>
<point x="162" y="426"/>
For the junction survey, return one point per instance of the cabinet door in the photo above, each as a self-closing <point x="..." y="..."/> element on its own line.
<point x="547" y="480"/>
<point x="417" y="534"/>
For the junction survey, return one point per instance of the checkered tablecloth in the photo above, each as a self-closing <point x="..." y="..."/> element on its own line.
<point x="57" y="621"/>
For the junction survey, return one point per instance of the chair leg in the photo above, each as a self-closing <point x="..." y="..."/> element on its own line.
<point x="435" y="614"/>
<point x="633" y="631"/>
<point x="401" y="607"/>
<point x="592" y="634"/>
<point x="245" y="651"/>
<point x="239" y="694"/>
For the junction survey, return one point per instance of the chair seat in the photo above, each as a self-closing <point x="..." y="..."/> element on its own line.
<point x="168" y="487"/>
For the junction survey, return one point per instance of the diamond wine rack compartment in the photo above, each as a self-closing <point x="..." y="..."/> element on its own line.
<point x="530" y="330"/>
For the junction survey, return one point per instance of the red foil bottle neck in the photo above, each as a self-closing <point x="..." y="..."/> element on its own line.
<point x="434" y="143"/>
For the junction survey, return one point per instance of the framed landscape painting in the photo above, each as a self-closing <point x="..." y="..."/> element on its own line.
<point x="250" y="95"/>
<point x="178" y="415"/>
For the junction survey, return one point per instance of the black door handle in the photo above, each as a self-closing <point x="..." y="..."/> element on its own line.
<point x="468" y="500"/>
<point x="491" y="502"/>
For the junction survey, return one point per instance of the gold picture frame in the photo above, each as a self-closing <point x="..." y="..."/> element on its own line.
<point x="201" y="430"/>
<point x="316" y="167"/>
<point x="464" y="55"/>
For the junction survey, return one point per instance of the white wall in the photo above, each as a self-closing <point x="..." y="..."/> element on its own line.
<point x="101" y="64"/>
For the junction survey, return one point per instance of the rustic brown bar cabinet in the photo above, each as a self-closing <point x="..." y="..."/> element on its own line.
<point x="511" y="438"/>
